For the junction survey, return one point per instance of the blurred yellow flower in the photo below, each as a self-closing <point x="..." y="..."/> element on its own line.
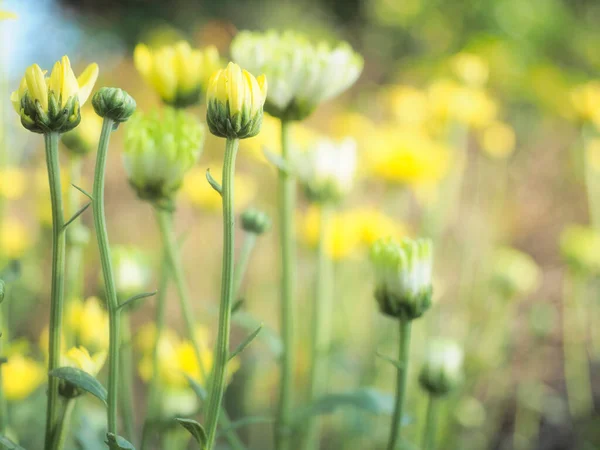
<point x="580" y="248"/>
<point x="592" y="151"/>
<point x="497" y="140"/>
<point x="15" y="239"/>
<point x="44" y="342"/>
<point x="515" y="272"/>
<point x="12" y="182"/>
<point x="373" y="225"/>
<point x="471" y="69"/>
<point x="408" y="105"/>
<point x="353" y="124"/>
<point x="88" y="323"/>
<point x="80" y="358"/>
<point x="585" y="101"/>
<point x="21" y="376"/>
<point x="343" y="238"/>
<point x="201" y="194"/>
<point x="178" y="73"/>
<point x="7" y="15"/>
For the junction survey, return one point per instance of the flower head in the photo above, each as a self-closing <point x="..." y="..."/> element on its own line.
<point x="515" y="272"/>
<point x="301" y="74"/>
<point x="159" y="150"/>
<point x="21" y="376"/>
<point x="442" y="369"/>
<point x="585" y="101"/>
<point x="114" y="104"/>
<point x="80" y="358"/>
<point x="255" y="221"/>
<point x="85" y="137"/>
<point x="235" y="101"/>
<point x="53" y="104"/>
<point x="178" y="73"/>
<point x="403" y="272"/>
<point x="497" y="140"/>
<point x="132" y="271"/>
<point x="88" y="323"/>
<point x="580" y="248"/>
<point x="470" y="68"/>
<point x="342" y="236"/>
<point x="327" y="170"/>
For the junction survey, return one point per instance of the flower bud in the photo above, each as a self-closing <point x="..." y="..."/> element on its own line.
<point x="580" y="248"/>
<point x="53" y="104"/>
<point x="327" y="170"/>
<point x="80" y="358"/>
<point x="235" y="102"/>
<point x="403" y="273"/>
<point x="255" y="221"/>
<point x="514" y="272"/>
<point x="114" y="103"/>
<point x="132" y="272"/>
<point x="160" y="148"/>
<point x="442" y="369"/>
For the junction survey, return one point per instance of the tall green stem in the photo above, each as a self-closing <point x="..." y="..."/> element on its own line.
<point x="62" y="430"/>
<point x="76" y="237"/>
<point x="109" y="282"/>
<point x="405" y="326"/>
<point x="3" y="406"/>
<point x="321" y="325"/>
<point x="287" y="199"/>
<point x="126" y="373"/>
<point x="221" y="353"/>
<point x="430" y="424"/>
<point x="58" y="277"/>
<point x="164" y="219"/>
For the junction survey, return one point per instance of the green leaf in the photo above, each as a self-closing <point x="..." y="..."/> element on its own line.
<point x="368" y="400"/>
<point x="240" y="348"/>
<point x="394" y="362"/>
<point x="245" y="422"/>
<point x="135" y="298"/>
<point x="11" y="272"/>
<point x="237" y="305"/>
<point x="82" y="380"/>
<point x="215" y="185"/>
<point x="195" y="429"/>
<point x="277" y="161"/>
<point x="79" y="212"/>
<point x="268" y="336"/>
<point x="83" y="191"/>
<point x="7" y="444"/>
<point x="115" y="442"/>
<point x="198" y="390"/>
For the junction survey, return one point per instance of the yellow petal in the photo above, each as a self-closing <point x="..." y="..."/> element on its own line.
<point x="16" y="96"/>
<point x="262" y="84"/>
<point x="86" y="82"/>
<point x="36" y="85"/>
<point x="142" y="59"/>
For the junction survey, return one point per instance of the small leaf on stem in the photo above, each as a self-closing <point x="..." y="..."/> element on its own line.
<point x="115" y="442"/>
<point x="77" y="214"/>
<point x="82" y="380"/>
<point x="195" y="429"/>
<point x="135" y="298"/>
<point x="240" y="348"/>
<point x="216" y="186"/>
<point x="84" y="192"/>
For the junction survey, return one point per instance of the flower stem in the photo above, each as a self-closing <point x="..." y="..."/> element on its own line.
<point x="242" y="263"/>
<point x="430" y="424"/>
<point x="405" y="326"/>
<point x="287" y="198"/>
<point x="321" y="325"/>
<point x="164" y="219"/>
<point x="62" y="429"/>
<point x="126" y="370"/>
<point x="107" y="271"/>
<point x="221" y="353"/>
<point x="58" y="277"/>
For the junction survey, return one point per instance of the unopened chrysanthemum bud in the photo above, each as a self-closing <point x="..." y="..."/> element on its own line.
<point x="114" y="103"/>
<point x="403" y="272"/>
<point x="178" y="73"/>
<point x="80" y="358"/>
<point x="442" y="369"/>
<point x="580" y="247"/>
<point x="159" y="150"/>
<point x="255" y="221"/>
<point x="327" y="170"/>
<point x="132" y="271"/>
<point x="235" y="102"/>
<point x="301" y="74"/>
<point x="84" y="138"/>
<point x="514" y="272"/>
<point x="53" y="104"/>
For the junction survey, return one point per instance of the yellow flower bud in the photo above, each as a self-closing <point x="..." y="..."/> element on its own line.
<point x="235" y="100"/>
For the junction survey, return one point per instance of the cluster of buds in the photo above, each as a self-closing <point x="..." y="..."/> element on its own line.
<point x="235" y="100"/>
<point x="328" y="169"/>
<point x="442" y="369"/>
<point x="403" y="272"/>
<point x="160" y="148"/>
<point x="53" y="104"/>
<point x="178" y="73"/>
<point x="301" y="74"/>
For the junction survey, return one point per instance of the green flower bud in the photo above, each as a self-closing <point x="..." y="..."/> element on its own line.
<point x="255" y="221"/>
<point x="132" y="271"/>
<point x="580" y="248"/>
<point x="160" y="148"/>
<point x="114" y="103"/>
<point x="301" y="74"/>
<point x="442" y="369"/>
<point x="515" y="272"/>
<point x="403" y="272"/>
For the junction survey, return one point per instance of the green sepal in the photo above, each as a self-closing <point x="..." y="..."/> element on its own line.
<point x="196" y="430"/>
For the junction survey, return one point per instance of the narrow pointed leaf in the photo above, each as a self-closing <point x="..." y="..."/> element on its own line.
<point x="115" y="442"/>
<point x="216" y="186"/>
<point x="270" y="337"/>
<point x="135" y="298"/>
<point x="240" y="348"/>
<point x="394" y="362"/>
<point x="198" y="390"/>
<point x="237" y="305"/>
<point x="195" y="429"/>
<point x="277" y="161"/>
<point x="82" y="380"/>
<point x="84" y="192"/>
<point x="7" y="444"/>
<point x="77" y="214"/>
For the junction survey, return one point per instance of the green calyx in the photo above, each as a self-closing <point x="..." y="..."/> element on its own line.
<point x="223" y="124"/>
<point x="56" y="119"/>
<point x="114" y="104"/>
<point x="409" y="306"/>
